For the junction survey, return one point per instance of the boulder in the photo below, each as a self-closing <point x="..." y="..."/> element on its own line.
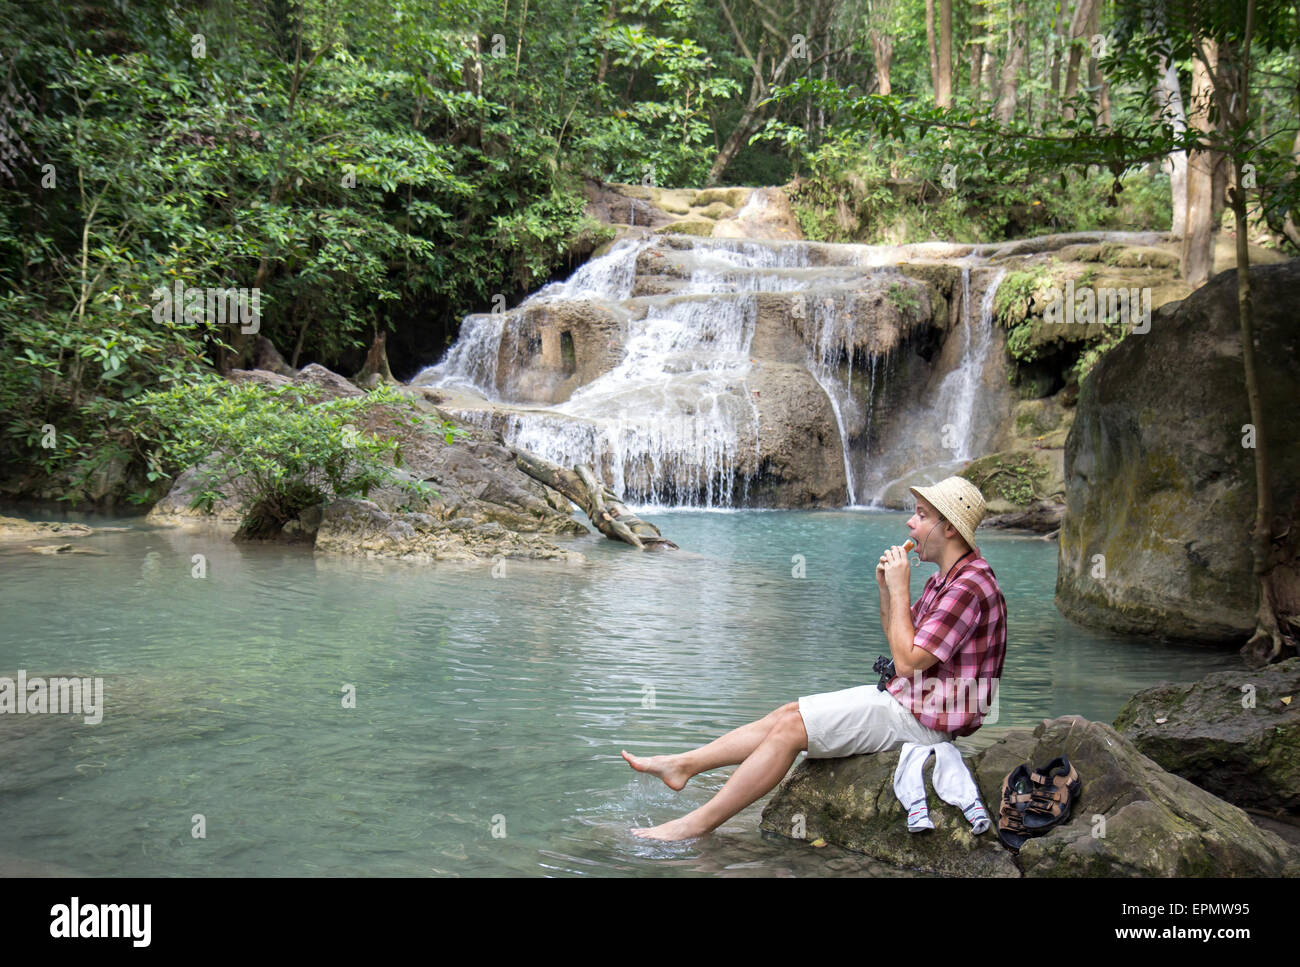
<point x="14" y="528"/>
<point x="549" y="349"/>
<point x="475" y="477"/>
<point x="360" y="527"/>
<point x="1160" y="477"/>
<point x="1235" y="733"/>
<point x="1132" y="818"/>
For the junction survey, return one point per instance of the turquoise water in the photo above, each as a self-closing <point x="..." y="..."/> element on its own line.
<point x="483" y="705"/>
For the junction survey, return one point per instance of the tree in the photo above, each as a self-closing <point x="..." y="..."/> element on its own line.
<point x="1222" y="43"/>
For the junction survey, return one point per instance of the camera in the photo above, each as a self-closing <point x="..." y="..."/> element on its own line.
<point x="884" y="667"/>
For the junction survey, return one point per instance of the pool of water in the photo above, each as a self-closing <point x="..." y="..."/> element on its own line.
<point x="489" y="710"/>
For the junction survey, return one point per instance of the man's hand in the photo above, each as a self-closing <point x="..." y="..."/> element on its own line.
<point x="894" y="572"/>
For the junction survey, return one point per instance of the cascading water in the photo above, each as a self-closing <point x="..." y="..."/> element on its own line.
<point x="667" y="418"/>
<point x="959" y="390"/>
<point x="830" y="340"/>
<point x="663" y="425"/>
<point x="951" y="422"/>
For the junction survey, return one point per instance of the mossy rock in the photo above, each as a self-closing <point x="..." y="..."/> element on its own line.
<point x="1044" y="422"/>
<point x="1159" y="487"/>
<point x="1014" y="479"/>
<point x="1139" y="257"/>
<point x="1234" y="733"/>
<point x="731" y="197"/>
<point x="715" y="211"/>
<point x="688" y="226"/>
<point x="1131" y="818"/>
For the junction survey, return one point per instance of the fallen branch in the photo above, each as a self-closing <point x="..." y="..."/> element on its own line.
<point x="601" y="505"/>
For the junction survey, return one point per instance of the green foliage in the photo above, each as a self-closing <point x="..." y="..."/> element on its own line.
<point x="862" y="188"/>
<point x="275" y="448"/>
<point x="1111" y="337"/>
<point x="1010" y="476"/>
<point x="1019" y="293"/>
<point x="904" y="298"/>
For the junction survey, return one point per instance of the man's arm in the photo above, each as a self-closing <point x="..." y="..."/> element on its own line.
<point x="908" y="656"/>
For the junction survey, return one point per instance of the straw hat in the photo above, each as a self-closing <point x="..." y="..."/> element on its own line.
<point x="960" y="502"/>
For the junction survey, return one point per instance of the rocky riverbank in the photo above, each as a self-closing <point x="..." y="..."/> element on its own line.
<point x="486" y="508"/>
<point x="1132" y="818"/>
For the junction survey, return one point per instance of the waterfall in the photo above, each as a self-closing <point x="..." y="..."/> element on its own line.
<point x="664" y="413"/>
<point x="959" y="391"/>
<point x="829" y="340"/>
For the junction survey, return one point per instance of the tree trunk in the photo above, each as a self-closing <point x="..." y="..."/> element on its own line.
<point x="976" y="72"/>
<point x="1169" y="96"/>
<point x="376" y="365"/>
<point x="739" y="135"/>
<point x="1059" y="38"/>
<point x="605" y="510"/>
<point x="1268" y="641"/>
<point x="882" y="50"/>
<point x="943" y="91"/>
<point x="603" y="66"/>
<point x="1006" y="107"/>
<point x="934" y="53"/>
<point x="1198" y="243"/>
<point x="1083" y="15"/>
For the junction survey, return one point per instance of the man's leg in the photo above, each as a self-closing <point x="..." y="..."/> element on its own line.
<point x="758" y="775"/>
<point x="728" y="750"/>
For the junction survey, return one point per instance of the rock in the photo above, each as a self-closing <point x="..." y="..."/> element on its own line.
<point x="1243" y="746"/>
<point x="267" y="357"/>
<point x="731" y="197"/>
<point x="324" y="378"/>
<point x="1014" y="480"/>
<point x="688" y="226"/>
<point x="174" y="508"/>
<point x="360" y="527"/>
<point x="15" y="528"/>
<point x="801" y="462"/>
<point x="1041" y="516"/>
<point x="850" y="802"/>
<point x="550" y="349"/>
<point x="64" y="549"/>
<point x="766" y="214"/>
<point x="1131" y="819"/>
<point x="1158" y="479"/>
<point x="475" y="478"/>
<point x="716" y="210"/>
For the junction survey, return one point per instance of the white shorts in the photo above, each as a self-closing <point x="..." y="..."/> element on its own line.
<point x="857" y="720"/>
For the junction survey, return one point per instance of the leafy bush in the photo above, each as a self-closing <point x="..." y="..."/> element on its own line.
<point x="277" y="449"/>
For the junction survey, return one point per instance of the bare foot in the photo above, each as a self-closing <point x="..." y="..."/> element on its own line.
<point x="665" y="767"/>
<point x="677" y="829"/>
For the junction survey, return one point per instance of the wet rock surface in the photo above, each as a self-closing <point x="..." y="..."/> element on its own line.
<point x="1235" y="733"/>
<point x="1132" y="818"/>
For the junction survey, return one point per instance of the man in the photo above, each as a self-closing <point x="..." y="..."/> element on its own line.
<point x="956" y="632"/>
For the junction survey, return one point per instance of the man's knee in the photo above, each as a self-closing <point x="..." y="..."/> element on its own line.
<point x="790" y="727"/>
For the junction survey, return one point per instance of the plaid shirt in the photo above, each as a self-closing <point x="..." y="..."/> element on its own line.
<point x="964" y="625"/>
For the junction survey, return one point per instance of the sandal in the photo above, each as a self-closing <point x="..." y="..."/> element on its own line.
<point x="1017" y="794"/>
<point x="1056" y="786"/>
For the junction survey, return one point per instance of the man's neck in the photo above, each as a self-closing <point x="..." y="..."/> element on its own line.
<point x="953" y="552"/>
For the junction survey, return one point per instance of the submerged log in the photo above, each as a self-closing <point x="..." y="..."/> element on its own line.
<point x="601" y="505"/>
